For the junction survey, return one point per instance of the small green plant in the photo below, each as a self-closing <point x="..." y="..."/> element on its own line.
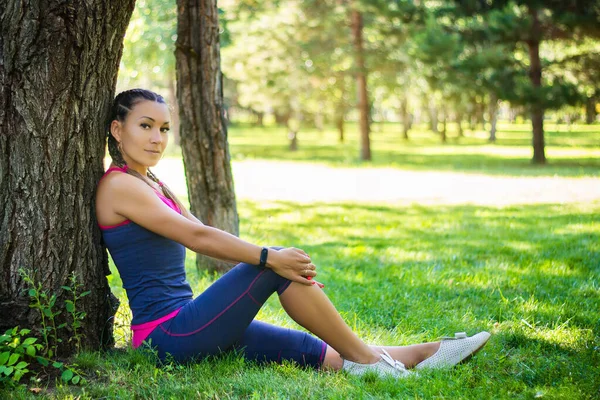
<point x="45" y="303"/>
<point x="71" y="306"/>
<point x="15" y="346"/>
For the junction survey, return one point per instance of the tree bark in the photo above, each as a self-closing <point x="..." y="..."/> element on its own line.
<point x="405" y="118"/>
<point x="459" y="119"/>
<point x="174" y="125"/>
<point x="293" y="136"/>
<point x="535" y="74"/>
<point x="58" y="71"/>
<point x="590" y="110"/>
<point x="339" y="122"/>
<point x="493" y="110"/>
<point x="260" y="116"/>
<point x="433" y="118"/>
<point x="361" y="83"/>
<point x="443" y="135"/>
<point x="282" y="119"/>
<point x="202" y="123"/>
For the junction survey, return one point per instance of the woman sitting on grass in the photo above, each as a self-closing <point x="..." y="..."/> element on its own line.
<point x="146" y="230"/>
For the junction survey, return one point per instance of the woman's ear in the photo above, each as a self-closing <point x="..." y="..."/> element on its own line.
<point x="115" y="129"/>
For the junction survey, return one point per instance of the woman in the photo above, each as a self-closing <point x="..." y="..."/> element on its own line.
<point x="146" y="230"/>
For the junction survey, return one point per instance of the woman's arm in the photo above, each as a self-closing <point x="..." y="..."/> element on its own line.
<point x="135" y="200"/>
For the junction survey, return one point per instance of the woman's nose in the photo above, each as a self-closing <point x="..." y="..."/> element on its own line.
<point x="156" y="137"/>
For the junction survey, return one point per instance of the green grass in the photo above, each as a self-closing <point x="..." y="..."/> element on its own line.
<point x="572" y="153"/>
<point x="402" y="274"/>
<point x="407" y="274"/>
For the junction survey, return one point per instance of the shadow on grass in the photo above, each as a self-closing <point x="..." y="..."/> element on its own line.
<point x="453" y="257"/>
<point x="400" y="158"/>
<point x="529" y="274"/>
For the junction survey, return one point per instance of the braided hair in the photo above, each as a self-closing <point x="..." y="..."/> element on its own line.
<point x="121" y="107"/>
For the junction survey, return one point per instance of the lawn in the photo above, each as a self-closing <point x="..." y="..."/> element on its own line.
<point x="402" y="274"/>
<point x="572" y="151"/>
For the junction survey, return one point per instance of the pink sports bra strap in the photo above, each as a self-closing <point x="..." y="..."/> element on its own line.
<point x="111" y="169"/>
<point x="124" y="169"/>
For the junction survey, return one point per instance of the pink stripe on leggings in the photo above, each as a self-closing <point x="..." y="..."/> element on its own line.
<point x="323" y="349"/>
<point x="218" y="315"/>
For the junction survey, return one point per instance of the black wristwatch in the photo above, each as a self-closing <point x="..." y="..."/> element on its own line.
<point x="263" y="257"/>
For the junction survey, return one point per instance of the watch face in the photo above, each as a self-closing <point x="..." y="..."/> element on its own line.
<point x="263" y="256"/>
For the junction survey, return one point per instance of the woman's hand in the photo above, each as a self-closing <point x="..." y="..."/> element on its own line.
<point x="293" y="264"/>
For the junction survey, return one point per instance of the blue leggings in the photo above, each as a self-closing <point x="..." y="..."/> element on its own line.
<point x="222" y="318"/>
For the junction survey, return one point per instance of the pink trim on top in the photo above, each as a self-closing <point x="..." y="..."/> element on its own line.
<point x="170" y="203"/>
<point x="111" y="169"/>
<point x="142" y="331"/>
<point x="105" y="227"/>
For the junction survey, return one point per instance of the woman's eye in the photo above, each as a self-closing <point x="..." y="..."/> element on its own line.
<point x="165" y="130"/>
<point x="145" y="126"/>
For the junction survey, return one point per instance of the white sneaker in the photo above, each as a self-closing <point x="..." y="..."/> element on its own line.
<point x="454" y="350"/>
<point x="386" y="366"/>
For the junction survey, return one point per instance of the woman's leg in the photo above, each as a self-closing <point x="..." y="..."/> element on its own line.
<point x="310" y="307"/>
<point x="217" y="319"/>
<point x="264" y="342"/>
<point x="221" y="316"/>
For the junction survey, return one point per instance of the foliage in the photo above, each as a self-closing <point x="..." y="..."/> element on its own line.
<point x="44" y="302"/>
<point x="71" y="307"/>
<point x="15" y="345"/>
<point x="19" y="352"/>
<point x="148" y="59"/>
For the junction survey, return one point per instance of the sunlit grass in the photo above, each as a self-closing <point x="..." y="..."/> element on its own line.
<point x="570" y="153"/>
<point x="402" y="274"/>
<point x="406" y="274"/>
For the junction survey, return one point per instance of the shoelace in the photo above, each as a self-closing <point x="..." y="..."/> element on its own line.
<point x="385" y="356"/>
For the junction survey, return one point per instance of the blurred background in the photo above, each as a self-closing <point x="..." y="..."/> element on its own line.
<point x="470" y="72"/>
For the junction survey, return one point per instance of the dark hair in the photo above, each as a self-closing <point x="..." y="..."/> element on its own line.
<point x="122" y="105"/>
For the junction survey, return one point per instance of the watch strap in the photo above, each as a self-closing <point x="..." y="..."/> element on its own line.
<point x="263" y="257"/>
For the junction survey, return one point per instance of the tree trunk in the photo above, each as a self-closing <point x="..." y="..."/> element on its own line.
<point x="433" y="118"/>
<point x="590" y="110"/>
<point x="339" y="122"/>
<point x="260" y="117"/>
<point x="282" y="119"/>
<point x="293" y="136"/>
<point x="459" y="118"/>
<point x="202" y="123"/>
<point x="481" y="114"/>
<point x="493" y="110"/>
<point x="319" y="121"/>
<point x="58" y="71"/>
<point x="443" y="135"/>
<point x="535" y="74"/>
<point x="174" y="125"/>
<point x="405" y="118"/>
<point x="361" y="82"/>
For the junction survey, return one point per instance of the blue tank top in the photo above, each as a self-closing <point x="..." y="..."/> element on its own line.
<point x="152" y="269"/>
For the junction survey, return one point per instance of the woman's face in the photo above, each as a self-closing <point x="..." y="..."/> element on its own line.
<point x="144" y="134"/>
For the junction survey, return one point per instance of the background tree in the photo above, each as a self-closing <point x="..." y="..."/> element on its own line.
<point x="149" y="59"/>
<point x="57" y="77"/>
<point x="529" y="23"/>
<point x="270" y="67"/>
<point x="203" y="129"/>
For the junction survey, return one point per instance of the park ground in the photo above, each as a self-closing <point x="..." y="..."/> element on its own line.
<point x="425" y="241"/>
